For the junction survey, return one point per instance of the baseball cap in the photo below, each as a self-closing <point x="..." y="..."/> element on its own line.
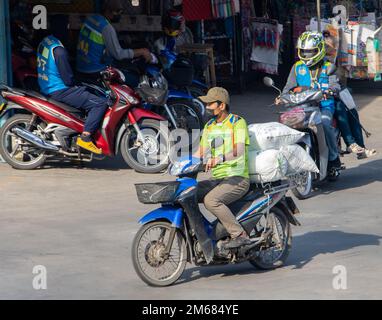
<point x="216" y="94"/>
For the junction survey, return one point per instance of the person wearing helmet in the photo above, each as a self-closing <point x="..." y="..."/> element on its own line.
<point x="98" y="44"/>
<point x="173" y="24"/>
<point x="314" y="70"/>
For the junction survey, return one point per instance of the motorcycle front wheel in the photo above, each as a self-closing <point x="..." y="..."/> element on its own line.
<point x="275" y="250"/>
<point x="304" y="191"/>
<point x="150" y="155"/>
<point x="150" y="262"/>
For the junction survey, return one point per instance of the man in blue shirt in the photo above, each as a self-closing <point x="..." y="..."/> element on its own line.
<point x="98" y="45"/>
<point x="55" y="77"/>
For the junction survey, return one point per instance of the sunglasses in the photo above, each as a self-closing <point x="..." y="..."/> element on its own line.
<point x="118" y="12"/>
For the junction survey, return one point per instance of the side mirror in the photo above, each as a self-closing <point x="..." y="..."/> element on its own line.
<point x="268" y="82"/>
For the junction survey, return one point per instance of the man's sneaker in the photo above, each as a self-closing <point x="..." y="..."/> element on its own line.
<point x="367" y="154"/>
<point x="355" y="148"/>
<point x="88" y="145"/>
<point x="237" y="242"/>
<point x="335" y="164"/>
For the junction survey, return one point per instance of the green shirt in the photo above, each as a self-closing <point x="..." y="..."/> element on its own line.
<point x="233" y="130"/>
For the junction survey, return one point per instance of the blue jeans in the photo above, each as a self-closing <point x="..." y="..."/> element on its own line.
<point x="330" y="133"/>
<point x="79" y="98"/>
<point x="349" y="125"/>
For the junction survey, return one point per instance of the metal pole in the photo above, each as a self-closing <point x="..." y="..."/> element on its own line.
<point x="5" y="44"/>
<point x="319" y="15"/>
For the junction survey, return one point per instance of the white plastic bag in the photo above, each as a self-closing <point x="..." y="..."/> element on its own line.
<point x="267" y="166"/>
<point x="272" y="135"/>
<point x="298" y="160"/>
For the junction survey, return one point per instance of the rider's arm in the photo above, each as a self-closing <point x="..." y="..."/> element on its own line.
<point x="292" y="81"/>
<point x="62" y="62"/>
<point x="112" y="45"/>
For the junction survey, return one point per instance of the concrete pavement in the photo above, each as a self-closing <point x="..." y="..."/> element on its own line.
<point x="79" y="224"/>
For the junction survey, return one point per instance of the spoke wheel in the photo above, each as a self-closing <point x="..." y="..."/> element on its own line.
<point x="150" y="262"/>
<point x="275" y="249"/>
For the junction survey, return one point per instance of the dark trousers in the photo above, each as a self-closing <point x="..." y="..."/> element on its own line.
<point x="79" y="98"/>
<point x="349" y="125"/>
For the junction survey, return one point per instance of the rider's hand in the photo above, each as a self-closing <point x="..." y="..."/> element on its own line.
<point x="277" y="101"/>
<point x="144" y="53"/>
<point x="211" y="163"/>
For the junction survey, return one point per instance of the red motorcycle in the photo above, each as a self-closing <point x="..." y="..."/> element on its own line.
<point x="46" y="128"/>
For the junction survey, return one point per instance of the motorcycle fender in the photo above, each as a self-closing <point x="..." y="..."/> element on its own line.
<point x="200" y="84"/>
<point x="139" y="113"/>
<point x="323" y="150"/>
<point x="283" y="205"/>
<point x="9" y="107"/>
<point x="168" y="213"/>
<point x="175" y="94"/>
<point x="119" y="136"/>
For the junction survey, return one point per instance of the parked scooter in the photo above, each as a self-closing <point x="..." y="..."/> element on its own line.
<point x="46" y="128"/>
<point x="177" y="232"/>
<point x="303" y="114"/>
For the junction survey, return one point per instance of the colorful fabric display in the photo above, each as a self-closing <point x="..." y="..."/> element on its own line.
<point x="223" y="8"/>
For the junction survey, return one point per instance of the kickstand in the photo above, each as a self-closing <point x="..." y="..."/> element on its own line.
<point x="80" y="163"/>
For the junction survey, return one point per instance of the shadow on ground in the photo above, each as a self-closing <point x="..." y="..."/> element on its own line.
<point x="366" y="173"/>
<point x="305" y="248"/>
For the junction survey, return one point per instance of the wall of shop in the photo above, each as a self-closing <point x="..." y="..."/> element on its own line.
<point x="5" y="45"/>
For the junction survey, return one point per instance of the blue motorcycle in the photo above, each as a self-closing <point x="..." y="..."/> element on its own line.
<point x="177" y="232"/>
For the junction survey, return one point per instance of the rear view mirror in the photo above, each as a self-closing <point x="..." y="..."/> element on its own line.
<point x="268" y="82"/>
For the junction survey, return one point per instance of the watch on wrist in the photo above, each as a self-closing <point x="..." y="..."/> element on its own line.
<point x="221" y="158"/>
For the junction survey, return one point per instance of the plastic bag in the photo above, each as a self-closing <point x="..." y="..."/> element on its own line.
<point x="298" y="160"/>
<point x="267" y="166"/>
<point x="272" y="135"/>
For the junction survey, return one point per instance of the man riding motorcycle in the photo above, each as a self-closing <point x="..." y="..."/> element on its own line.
<point x="98" y="45"/>
<point x="224" y="143"/>
<point x="56" y="80"/>
<point x="347" y="119"/>
<point x="313" y="71"/>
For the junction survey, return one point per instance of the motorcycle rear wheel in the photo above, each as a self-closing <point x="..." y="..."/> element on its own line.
<point x="148" y="262"/>
<point x="259" y="261"/>
<point x="20" y="156"/>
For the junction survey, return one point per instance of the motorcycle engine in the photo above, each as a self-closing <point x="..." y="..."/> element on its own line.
<point x="221" y="251"/>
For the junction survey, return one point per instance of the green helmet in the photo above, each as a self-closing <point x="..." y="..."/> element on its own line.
<point x="311" y="48"/>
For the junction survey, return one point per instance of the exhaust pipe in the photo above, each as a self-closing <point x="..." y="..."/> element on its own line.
<point x="35" y="140"/>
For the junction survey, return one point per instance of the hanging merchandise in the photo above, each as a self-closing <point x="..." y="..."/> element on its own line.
<point x="266" y="45"/>
<point x="374" y="55"/>
<point x="197" y="10"/>
<point x="353" y="44"/>
<point x="330" y="30"/>
<point x="223" y="8"/>
<point x="246" y="8"/>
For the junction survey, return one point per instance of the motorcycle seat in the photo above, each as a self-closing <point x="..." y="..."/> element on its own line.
<point x="76" y="112"/>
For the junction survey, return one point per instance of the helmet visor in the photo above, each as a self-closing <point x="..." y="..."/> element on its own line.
<point x="308" y="54"/>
